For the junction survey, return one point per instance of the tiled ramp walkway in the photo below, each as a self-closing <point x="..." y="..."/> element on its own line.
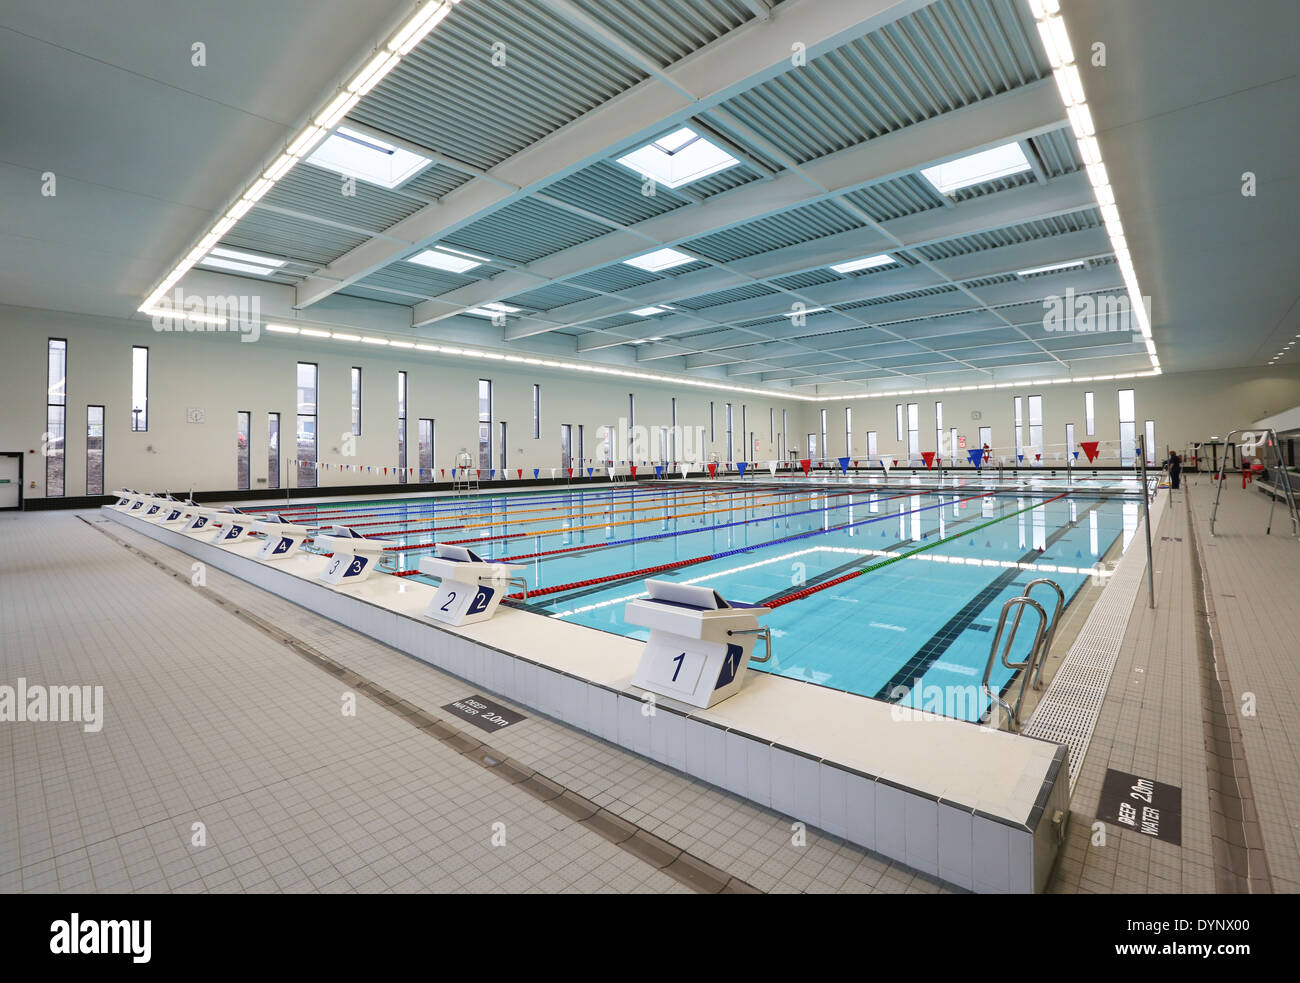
<point x="212" y="719"/>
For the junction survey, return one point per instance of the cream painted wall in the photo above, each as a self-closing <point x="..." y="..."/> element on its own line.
<point x="1186" y="407"/>
<point x="218" y="373"/>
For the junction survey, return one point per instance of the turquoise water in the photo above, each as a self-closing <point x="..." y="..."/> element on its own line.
<point x="909" y="629"/>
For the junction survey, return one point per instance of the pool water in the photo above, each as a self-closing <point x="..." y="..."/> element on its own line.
<point x="915" y="628"/>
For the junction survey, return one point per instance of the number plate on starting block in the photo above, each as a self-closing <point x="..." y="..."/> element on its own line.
<point x="457" y="603"/>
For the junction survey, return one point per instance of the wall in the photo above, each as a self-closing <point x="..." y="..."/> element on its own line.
<point x="218" y="373"/>
<point x="1186" y="407"/>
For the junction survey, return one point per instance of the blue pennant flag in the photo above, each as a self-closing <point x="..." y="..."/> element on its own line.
<point x="536" y="472"/>
<point x="492" y="473"/>
<point x="976" y="456"/>
<point x="1020" y="457"/>
<point x="1076" y="455"/>
<point x="659" y="470"/>
<point x="740" y="466"/>
<point x="590" y="471"/>
<point x="844" y="465"/>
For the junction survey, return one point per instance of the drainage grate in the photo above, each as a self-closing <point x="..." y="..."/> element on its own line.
<point x="1069" y="708"/>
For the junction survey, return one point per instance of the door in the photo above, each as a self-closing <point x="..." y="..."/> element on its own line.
<point x="11" y="481"/>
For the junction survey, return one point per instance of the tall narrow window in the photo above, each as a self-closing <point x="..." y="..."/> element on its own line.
<point x="711" y="437"/>
<point x="871" y="444"/>
<point x="986" y="437"/>
<point x="771" y="426"/>
<point x="1127" y="426"/>
<point x="729" y="457"/>
<point x="1036" y="423"/>
<point x="502" y="426"/>
<point x="826" y="447"/>
<point x="401" y="427"/>
<point x="812" y="446"/>
<point x="898" y="414"/>
<point x="938" y="430"/>
<point x="913" y="430"/>
<point x="537" y="411"/>
<point x="566" y="445"/>
<point x="1149" y="448"/>
<point x="356" y="401"/>
<point x="243" y="423"/>
<point x="580" y="442"/>
<point x="785" y="433"/>
<point x="848" y="431"/>
<point x="485" y="424"/>
<point x="1089" y="420"/>
<point x="674" y="433"/>
<point x="94" y="450"/>
<point x="1069" y="442"/>
<point x="744" y="433"/>
<point x="56" y="418"/>
<point x="631" y="428"/>
<point x="952" y="444"/>
<point x="273" y="450"/>
<point x="306" y="441"/>
<point x="1019" y="427"/>
<point x="425" y="449"/>
<point x="663" y="445"/>
<point x="139" y="388"/>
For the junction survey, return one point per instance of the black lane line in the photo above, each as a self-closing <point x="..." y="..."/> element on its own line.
<point x="930" y="653"/>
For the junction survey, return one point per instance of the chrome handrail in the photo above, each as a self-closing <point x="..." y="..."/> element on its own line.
<point x="764" y="633"/>
<point x="1050" y="634"/>
<point x="1020" y="602"/>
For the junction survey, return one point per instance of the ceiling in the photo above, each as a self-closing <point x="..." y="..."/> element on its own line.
<point x="149" y="151"/>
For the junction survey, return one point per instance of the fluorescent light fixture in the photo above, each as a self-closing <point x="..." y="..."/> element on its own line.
<point x="375" y="70"/>
<point x="660" y="259"/>
<point x="305" y="140"/>
<point x="655" y="338"/>
<point x="439" y="260"/>
<point x="987" y="165"/>
<point x="806" y="310"/>
<point x="280" y="168"/>
<point x="339" y="107"/>
<point x="282" y="329"/>
<point x="367" y="339"/>
<point x="649" y="311"/>
<point x="679" y="158"/>
<point x="181" y="315"/>
<point x="314" y="333"/>
<point x="401" y="344"/>
<point x="1051" y="269"/>
<point x="358" y="155"/>
<point x="413" y="32"/>
<point x="341" y="336"/>
<point x="491" y="310"/>
<point x="227" y="264"/>
<point x="865" y="263"/>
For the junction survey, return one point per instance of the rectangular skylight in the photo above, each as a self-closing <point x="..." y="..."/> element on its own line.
<point x="987" y="165"/>
<point x="660" y="259"/>
<point x="806" y="310"/>
<point x="678" y="158"/>
<point x="1051" y="269"/>
<point x="865" y="263"/>
<point x="648" y="311"/>
<point x="358" y="155"/>
<point x="492" y="310"/>
<point x="240" y="262"/>
<point x="440" y="260"/>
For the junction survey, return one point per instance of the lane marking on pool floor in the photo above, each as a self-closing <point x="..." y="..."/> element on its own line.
<point x="683" y="867"/>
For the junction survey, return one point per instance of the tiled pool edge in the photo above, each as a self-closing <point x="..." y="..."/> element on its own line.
<point x="947" y="839"/>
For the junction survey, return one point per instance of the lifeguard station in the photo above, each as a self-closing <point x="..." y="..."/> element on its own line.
<point x="471" y="587"/>
<point x="355" y="557"/>
<point x="700" y="644"/>
<point x="462" y="477"/>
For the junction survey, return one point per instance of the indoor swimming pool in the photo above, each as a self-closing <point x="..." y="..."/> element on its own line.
<point x="890" y="589"/>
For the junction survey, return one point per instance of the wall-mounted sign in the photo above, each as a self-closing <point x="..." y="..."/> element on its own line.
<point x="1143" y="805"/>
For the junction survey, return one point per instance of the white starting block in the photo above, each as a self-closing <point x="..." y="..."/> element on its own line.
<point x="283" y="538"/>
<point x="136" y="505"/>
<point x="124" y="499"/>
<point x="175" y="512"/>
<point x="154" y="507"/>
<point x="699" y="643"/>
<point x="234" y="525"/>
<point x="355" y="557"/>
<point x="200" y="520"/>
<point x="471" y="587"/>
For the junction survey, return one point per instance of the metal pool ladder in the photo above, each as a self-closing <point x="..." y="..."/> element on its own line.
<point x="1032" y="667"/>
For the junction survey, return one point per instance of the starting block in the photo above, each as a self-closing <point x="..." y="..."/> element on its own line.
<point x="233" y="525"/>
<point x="283" y="538"/>
<point x="471" y="587"/>
<point x="699" y="645"/>
<point x="200" y="520"/>
<point x="175" y="512"/>
<point x="355" y="557"/>
<point x="138" y="502"/>
<point x="124" y="498"/>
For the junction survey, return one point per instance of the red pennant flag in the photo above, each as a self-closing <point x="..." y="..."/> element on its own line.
<point x="1090" y="448"/>
<point x="385" y="471"/>
<point x="520" y="472"/>
<point x="632" y="468"/>
<point x="805" y="464"/>
<point x="570" y="472"/>
<point x="444" y="472"/>
<point x="928" y="458"/>
<point x="713" y="469"/>
<point x="1038" y="457"/>
<point x="895" y="462"/>
<point x="478" y="472"/>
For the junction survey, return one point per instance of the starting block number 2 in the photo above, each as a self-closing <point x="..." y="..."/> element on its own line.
<point x="456" y="602"/>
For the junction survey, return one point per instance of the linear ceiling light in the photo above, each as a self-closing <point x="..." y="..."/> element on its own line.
<point x="1051" y="269"/>
<point x="383" y="61"/>
<point x="660" y="259"/>
<point x="865" y="263"/>
<point x="439" y="260"/>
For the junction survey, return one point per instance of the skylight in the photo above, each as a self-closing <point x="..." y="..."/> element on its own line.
<point x="865" y="263"/>
<point x="976" y="168"/>
<point x="649" y="311"/>
<point x="1051" y="269"/>
<point x="491" y="310"/>
<point x="679" y="158"/>
<point x="660" y="259"/>
<point x="361" y="156"/>
<point x="451" y="262"/>
<point x="240" y="262"/>
<point x="806" y="310"/>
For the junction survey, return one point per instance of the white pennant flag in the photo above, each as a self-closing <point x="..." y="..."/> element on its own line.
<point x="686" y="470"/>
<point x="771" y="466"/>
<point x="884" y="465"/>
